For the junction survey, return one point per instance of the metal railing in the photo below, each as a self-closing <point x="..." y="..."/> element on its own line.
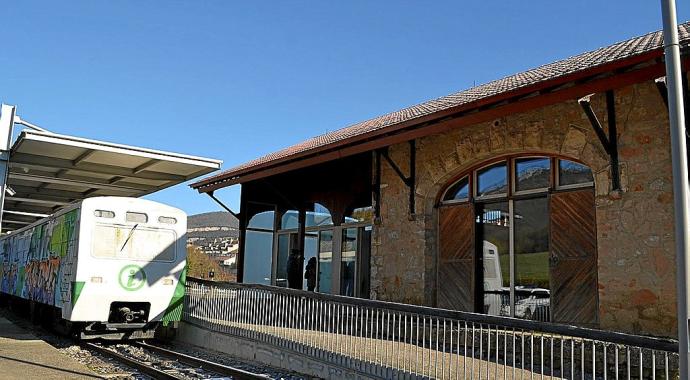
<point x="390" y="340"/>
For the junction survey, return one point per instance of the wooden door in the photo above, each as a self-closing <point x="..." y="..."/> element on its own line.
<point x="574" y="293"/>
<point x="456" y="265"/>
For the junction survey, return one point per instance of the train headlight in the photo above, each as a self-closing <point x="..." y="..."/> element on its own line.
<point x="97" y="280"/>
<point x="167" y="281"/>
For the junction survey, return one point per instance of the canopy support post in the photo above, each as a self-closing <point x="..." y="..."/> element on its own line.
<point x="610" y="142"/>
<point x="410" y="180"/>
<point x="210" y="194"/>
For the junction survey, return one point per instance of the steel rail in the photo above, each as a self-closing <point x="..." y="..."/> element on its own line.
<point x="201" y="363"/>
<point x="136" y="364"/>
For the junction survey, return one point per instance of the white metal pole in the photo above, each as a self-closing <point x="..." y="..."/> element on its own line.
<point x="680" y="175"/>
<point x="7" y="116"/>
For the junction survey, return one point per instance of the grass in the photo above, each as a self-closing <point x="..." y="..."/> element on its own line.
<point x="530" y="268"/>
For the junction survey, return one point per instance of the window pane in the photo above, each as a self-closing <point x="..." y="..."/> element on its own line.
<point x="136" y="217"/>
<point x="282" y="260"/>
<point x="310" y="261"/>
<point x="532" y="290"/>
<point x="492" y="180"/>
<point x="263" y="220"/>
<point x="133" y="244"/>
<point x="459" y="191"/>
<point x="347" y="262"/>
<point x="532" y="173"/>
<point x="104" y="214"/>
<point x="319" y="216"/>
<point x="289" y="220"/>
<point x="361" y="214"/>
<point x="493" y="227"/>
<point x="571" y="173"/>
<point x="258" y="252"/>
<point x="325" y="261"/>
<point x="167" y="220"/>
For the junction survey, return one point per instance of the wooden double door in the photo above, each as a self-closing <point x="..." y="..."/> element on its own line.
<point x="533" y="259"/>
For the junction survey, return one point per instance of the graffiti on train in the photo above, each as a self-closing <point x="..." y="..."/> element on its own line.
<point x="36" y="266"/>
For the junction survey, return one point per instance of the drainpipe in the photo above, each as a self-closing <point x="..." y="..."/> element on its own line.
<point x="680" y="175"/>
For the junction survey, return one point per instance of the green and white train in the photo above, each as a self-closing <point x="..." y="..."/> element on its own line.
<point x="105" y="267"/>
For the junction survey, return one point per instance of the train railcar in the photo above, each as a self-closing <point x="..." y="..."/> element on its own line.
<point x="105" y="267"/>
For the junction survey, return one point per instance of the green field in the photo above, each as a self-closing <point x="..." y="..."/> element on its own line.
<point x="530" y="269"/>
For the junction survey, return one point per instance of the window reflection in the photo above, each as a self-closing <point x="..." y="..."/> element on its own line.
<point x="258" y="248"/>
<point x="289" y="220"/>
<point x="310" y="261"/>
<point x="492" y="181"/>
<point x="459" y="191"/>
<point x="361" y="214"/>
<point x="532" y="173"/>
<point x="262" y="220"/>
<point x="572" y="173"/>
<point x="493" y="227"/>
<point x="532" y="287"/>
<point x="282" y="260"/>
<point x="348" y="261"/>
<point x="319" y="216"/>
<point x="325" y="268"/>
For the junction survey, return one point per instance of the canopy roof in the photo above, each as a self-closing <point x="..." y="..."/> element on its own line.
<point x="48" y="171"/>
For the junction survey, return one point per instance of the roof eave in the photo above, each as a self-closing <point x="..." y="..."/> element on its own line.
<point x="242" y="175"/>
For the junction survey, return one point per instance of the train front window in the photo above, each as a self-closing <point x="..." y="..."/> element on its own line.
<point x="133" y="243"/>
<point x="136" y="217"/>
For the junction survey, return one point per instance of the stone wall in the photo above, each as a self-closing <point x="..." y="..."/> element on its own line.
<point x="635" y="228"/>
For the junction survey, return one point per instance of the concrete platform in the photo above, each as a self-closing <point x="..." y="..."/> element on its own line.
<point x="24" y="356"/>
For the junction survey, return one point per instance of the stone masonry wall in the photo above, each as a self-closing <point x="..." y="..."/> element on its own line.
<point x="636" y="260"/>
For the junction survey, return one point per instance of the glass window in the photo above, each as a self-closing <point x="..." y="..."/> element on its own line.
<point x="492" y="180"/>
<point x="263" y="220"/>
<point x="493" y="227"/>
<point x="310" y="261"/>
<point x="318" y="216"/>
<point x="167" y="220"/>
<point x="571" y="173"/>
<point x="532" y="173"/>
<point x="282" y="260"/>
<point x="361" y="214"/>
<point x="136" y="217"/>
<point x="325" y="278"/>
<point x="348" y="262"/>
<point x="104" y="214"/>
<point x="289" y="220"/>
<point x="136" y="243"/>
<point x="459" y="191"/>
<point x="532" y="259"/>
<point x="258" y="252"/>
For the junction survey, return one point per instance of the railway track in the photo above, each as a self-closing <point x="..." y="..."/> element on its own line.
<point x="162" y="363"/>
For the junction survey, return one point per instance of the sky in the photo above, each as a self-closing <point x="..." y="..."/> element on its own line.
<point x="235" y="80"/>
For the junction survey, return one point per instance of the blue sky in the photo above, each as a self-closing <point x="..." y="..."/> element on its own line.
<point x="235" y="80"/>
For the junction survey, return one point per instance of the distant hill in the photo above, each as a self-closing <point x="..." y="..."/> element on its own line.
<point x="212" y="219"/>
<point x="215" y="233"/>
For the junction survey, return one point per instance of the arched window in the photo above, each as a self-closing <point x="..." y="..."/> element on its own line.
<point x="516" y="235"/>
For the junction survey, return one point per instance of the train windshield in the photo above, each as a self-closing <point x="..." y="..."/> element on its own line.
<point x="134" y="243"/>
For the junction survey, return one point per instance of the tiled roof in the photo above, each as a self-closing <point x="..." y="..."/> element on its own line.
<point x="582" y="62"/>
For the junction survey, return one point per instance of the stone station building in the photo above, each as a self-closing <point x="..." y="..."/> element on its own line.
<point x="545" y="195"/>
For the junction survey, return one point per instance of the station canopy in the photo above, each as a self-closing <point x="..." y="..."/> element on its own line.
<point x="48" y="171"/>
